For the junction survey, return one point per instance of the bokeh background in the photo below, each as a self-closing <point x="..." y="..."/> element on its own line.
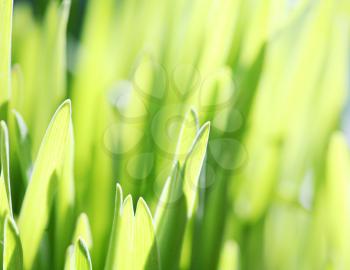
<point x="272" y="77"/>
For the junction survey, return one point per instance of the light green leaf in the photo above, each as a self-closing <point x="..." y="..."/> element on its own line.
<point x="83" y="231"/>
<point x="193" y="166"/>
<point x="36" y="205"/>
<point x="111" y="262"/>
<point x="6" y="7"/>
<point x="13" y="255"/>
<point x="82" y="256"/>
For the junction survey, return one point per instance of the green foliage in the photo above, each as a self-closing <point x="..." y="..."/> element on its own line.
<point x="219" y="120"/>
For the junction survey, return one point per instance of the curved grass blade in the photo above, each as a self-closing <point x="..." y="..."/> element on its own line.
<point x="5" y="162"/>
<point x="193" y="166"/>
<point x="36" y="205"/>
<point x="83" y="231"/>
<point x="82" y="256"/>
<point x="12" y="255"/>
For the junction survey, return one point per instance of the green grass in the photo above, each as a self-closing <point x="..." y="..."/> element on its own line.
<point x="189" y="134"/>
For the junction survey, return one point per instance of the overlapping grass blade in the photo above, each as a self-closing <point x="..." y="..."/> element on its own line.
<point x="133" y="244"/>
<point x="193" y="166"/>
<point x="83" y="231"/>
<point x="188" y="133"/>
<point x="82" y="256"/>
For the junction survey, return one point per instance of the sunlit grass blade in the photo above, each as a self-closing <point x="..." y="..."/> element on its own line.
<point x="124" y="256"/>
<point x="13" y="254"/>
<point x="135" y="244"/>
<point x="145" y="245"/>
<point x="111" y="262"/>
<point x="36" y="205"/>
<point x="77" y="254"/>
<point x="82" y="256"/>
<point x="178" y="196"/>
<point x="193" y="166"/>
<point x="83" y="231"/>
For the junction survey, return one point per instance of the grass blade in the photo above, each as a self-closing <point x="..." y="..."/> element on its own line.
<point x="193" y="166"/>
<point x="82" y="230"/>
<point x="82" y="256"/>
<point x="111" y="262"/>
<point x="36" y="205"/>
<point x="146" y="251"/>
<point x="135" y="246"/>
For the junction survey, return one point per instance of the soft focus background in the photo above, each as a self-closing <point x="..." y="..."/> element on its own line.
<point x="272" y="77"/>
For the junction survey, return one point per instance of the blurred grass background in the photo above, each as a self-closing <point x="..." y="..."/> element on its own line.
<point x="272" y="77"/>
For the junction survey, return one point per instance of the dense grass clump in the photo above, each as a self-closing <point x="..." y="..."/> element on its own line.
<point x="161" y="134"/>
